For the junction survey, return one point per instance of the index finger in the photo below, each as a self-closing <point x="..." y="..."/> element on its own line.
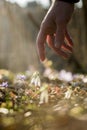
<point x="50" y="42"/>
<point x="40" y="42"/>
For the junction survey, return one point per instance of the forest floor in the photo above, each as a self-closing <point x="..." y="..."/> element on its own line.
<point x="33" y="102"/>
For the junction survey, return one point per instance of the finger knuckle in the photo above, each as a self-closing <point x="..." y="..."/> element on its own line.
<point x="45" y="27"/>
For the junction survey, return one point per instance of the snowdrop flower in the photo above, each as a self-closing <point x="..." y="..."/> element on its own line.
<point x="44" y="94"/>
<point x="68" y="93"/>
<point x="36" y="79"/>
<point x="4" y="84"/>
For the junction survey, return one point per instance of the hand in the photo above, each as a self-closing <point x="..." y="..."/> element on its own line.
<point x="54" y="30"/>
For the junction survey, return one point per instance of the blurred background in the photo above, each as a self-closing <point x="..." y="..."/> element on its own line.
<point x="19" y="25"/>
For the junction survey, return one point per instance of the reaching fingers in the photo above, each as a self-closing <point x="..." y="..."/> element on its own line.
<point x="63" y="40"/>
<point x="41" y="38"/>
<point x="50" y="41"/>
<point x="66" y="48"/>
<point x="68" y="39"/>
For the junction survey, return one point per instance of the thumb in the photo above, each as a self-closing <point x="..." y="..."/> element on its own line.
<point x="59" y="37"/>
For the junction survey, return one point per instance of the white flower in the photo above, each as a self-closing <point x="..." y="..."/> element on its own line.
<point x="68" y="93"/>
<point x="44" y="94"/>
<point x="85" y="79"/>
<point x="66" y="76"/>
<point x="36" y="79"/>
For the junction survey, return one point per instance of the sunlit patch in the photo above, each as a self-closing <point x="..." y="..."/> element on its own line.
<point x="85" y="79"/>
<point x="4" y="110"/>
<point x="27" y="114"/>
<point x="23" y="3"/>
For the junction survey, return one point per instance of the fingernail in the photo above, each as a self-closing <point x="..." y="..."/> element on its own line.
<point x="42" y="59"/>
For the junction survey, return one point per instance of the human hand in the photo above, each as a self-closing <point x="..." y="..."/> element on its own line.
<point x="54" y="30"/>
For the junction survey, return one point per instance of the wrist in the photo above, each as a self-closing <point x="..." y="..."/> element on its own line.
<point x="69" y="1"/>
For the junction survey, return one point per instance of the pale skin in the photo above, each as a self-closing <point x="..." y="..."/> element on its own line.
<point x="53" y="30"/>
